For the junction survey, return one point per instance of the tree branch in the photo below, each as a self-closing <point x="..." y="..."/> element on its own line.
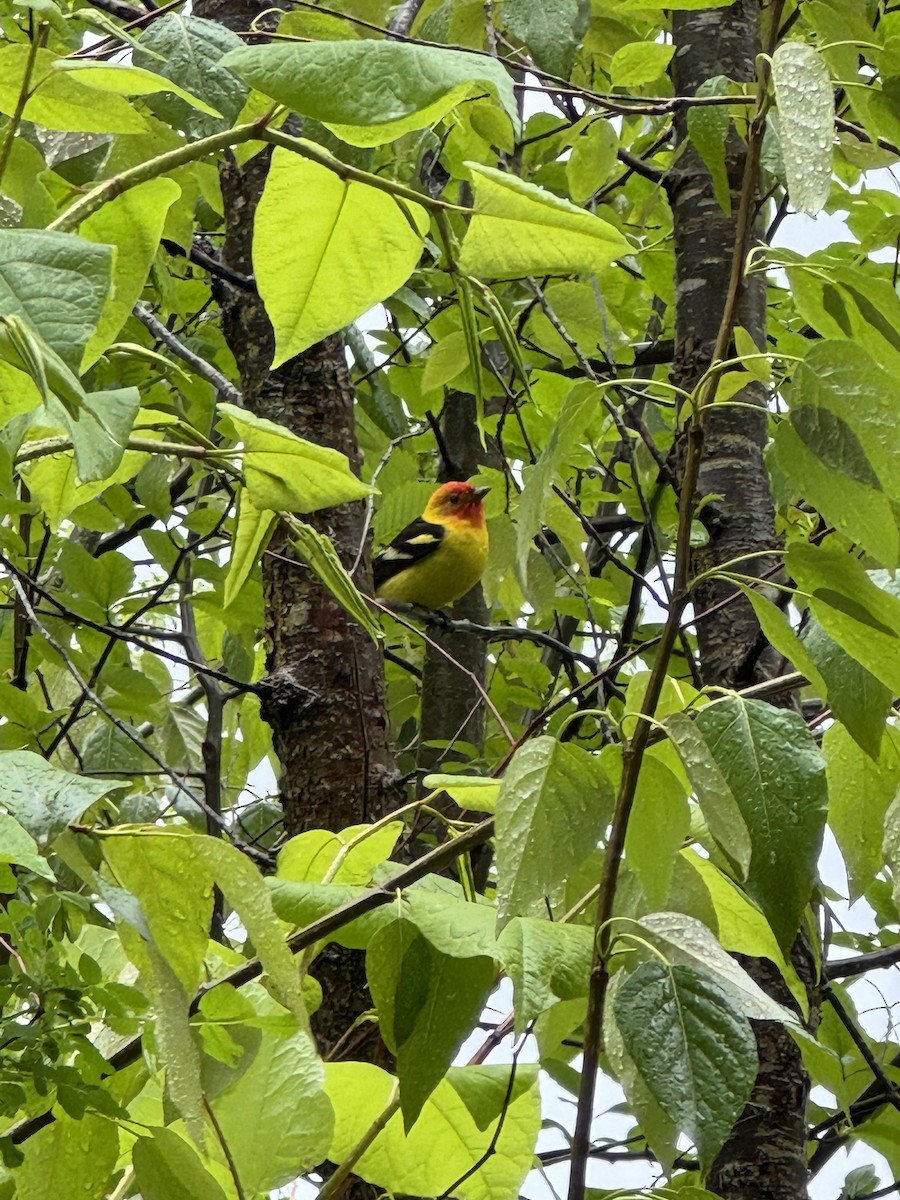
<point x="198" y="365"/>
<point x="875" y="960"/>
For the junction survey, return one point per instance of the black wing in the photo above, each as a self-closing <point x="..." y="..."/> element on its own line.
<point x="415" y="542"/>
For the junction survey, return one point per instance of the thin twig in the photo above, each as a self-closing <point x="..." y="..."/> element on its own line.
<point x="859" y="1041"/>
<point x="435" y="862"/>
<point x="632" y="760"/>
<point x="196" y="362"/>
<point x="476" y="683"/>
<point x="507" y="633"/>
<point x="847" y="968"/>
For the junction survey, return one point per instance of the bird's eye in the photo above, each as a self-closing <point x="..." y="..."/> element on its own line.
<point x="454" y="499"/>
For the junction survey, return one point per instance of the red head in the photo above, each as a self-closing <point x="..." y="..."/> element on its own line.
<point x="460" y="501"/>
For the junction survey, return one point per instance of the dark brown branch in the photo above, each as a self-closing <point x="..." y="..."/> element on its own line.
<point x="875" y="960"/>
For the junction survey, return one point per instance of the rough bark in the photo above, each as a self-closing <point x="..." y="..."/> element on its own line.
<point x="742" y="520"/>
<point x="326" y="698"/>
<point x="765" y="1156"/>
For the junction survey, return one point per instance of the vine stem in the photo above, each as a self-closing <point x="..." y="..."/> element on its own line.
<point x="24" y="96"/>
<point x="154" y="167"/>
<point x="632" y="759"/>
<point x="351" y="174"/>
<point x="633" y="754"/>
<point x="333" y="1186"/>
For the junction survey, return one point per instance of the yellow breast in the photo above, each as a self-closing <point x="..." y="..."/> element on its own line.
<point x="451" y="571"/>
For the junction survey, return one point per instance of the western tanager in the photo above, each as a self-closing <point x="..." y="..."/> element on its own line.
<point x="441" y="555"/>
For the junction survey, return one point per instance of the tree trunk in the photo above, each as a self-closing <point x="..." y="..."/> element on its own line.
<point x="765" y="1156"/>
<point x="325" y="696"/>
<point x="452" y="707"/>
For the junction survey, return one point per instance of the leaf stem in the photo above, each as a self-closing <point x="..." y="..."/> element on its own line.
<point x="334" y="1184"/>
<point x="25" y="94"/>
<point x="632" y="760"/>
<point x="153" y="168"/>
<point x="345" y="171"/>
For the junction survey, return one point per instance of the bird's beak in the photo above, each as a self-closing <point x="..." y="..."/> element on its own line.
<point x="481" y="492"/>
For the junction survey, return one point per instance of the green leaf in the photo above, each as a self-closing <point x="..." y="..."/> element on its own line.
<point x="520" y="229"/>
<point x="175" y="1041"/>
<point x="708" y="126"/>
<point x="741" y="926"/>
<point x="451" y="1137"/>
<point x="547" y="962"/>
<point x="452" y="924"/>
<point x="125" y="80"/>
<point x="54" y="481"/>
<point x="639" y="63"/>
<point x="659" y="823"/>
<point x="838" y="447"/>
<point x="303" y="903"/>
<point x="687" y="942"/>
<point x="550" y="29"/>
<point x="718" y="804"/>
<point x="319" y="554"/>
<point x="209" y="859"/>
<point x="858" y="700"/>
<point x="805" y="101"/>
<point x="166" y="1167"/>
<point x="251" y="536"/>
<point x="695" y="1052"/>
<point x="427" y="1003"/>
<point x="772" y="769"/>
<point x="852" y="306"/>
<point x="555" y="801"/>
<point x="17" y="846"/>
<point x="284" y="472"/>
<point x="447" y="359"/>
<point x="133" y="223"/>
<point x="166" y="875"/>
<point x="891" y="844"/>
<point x="777" y="630"/>
<point x="69" y="1160"/>
<point x="57" y="282"/>
<point x="656" y="1125"/>
<point x="58" y="100"/>
<point x="275" y="1117"/>
<point x="178" y="1048"/>
<point x="860" y="792"/>
<point x="567" y="431"/>
<point x="23" y="348"/>
<point x="247" y="893"/>
<point x="359" y="245"/>
<point x="593" y="156"/>
<point x="679" y="5"/>
<point x="99" y="429"/>
<point x="313" y="854"/>
<point x="43" y="798"/>
<point x="860" y="616"/>
<point x="371" y="92"/>
<point x="189" y="50"/>
<point x="471" y="792"/>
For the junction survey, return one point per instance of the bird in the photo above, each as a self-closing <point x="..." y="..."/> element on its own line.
<point x="439" y="556"/>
